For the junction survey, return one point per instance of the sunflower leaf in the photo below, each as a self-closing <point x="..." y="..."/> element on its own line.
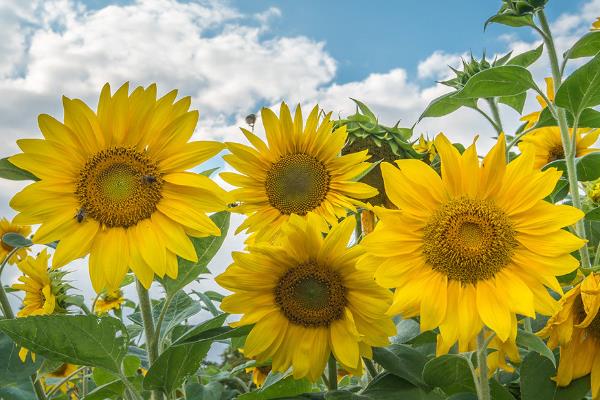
<point x="449" y="372"/>
<point x="11" y="172"/>
<point x="527" y="58"/>
<point x="507" y="80"/>
<point x="581" y="89"/>
<point x="588" y="167"/>
<point x="14" y="374"/>
<point x="402" y="361"/>
<point x="532" y="342"/>
<point x="15" y="240"/>
<point x="76" y="339"/>
<point x="446" y="104"/>
<point x="587" y="46"/>
<point x="536" y="377"/>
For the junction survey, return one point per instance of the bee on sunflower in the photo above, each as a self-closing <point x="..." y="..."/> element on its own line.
<point x="307" y="300"/>
<point x="575" y="329"/>
<point x="474" y="247"/>
<point x="113" y="184"/>
<point x="298" y="171"/>
<point x="7" y="226"/>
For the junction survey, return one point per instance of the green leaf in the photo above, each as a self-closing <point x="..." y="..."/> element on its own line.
<point x="179" y="361"/>
<point x="131" y="364"/>
<point x="515" y="102"/>
<point x="390" y="387"/>
<point x="107" y="390"/>
<point x="507" y="80"/>
<point x="449" y="372"/>
<point x="206" y="248"/>
<point x="534" y="343"/>
<point x="587" y="46"/>
<point x="593" y="215"/>
<point x="14" y="374"/>
<point x="210" y="391"/>
<point x="281" y="387"/>
<point x="536" y="377"/>
<point x="11" y="172"/>
<point x="576" y="390"/>
<point x="527" y="58"/>
<point x="561" y="190"/>
<point x="402" y="361"/>
<point x="14" y="240"/>
<point x="581" y="89"/>
<point x="589" y="118"/>
<point x="446" y="104"/>
<point x="209" y="172"/>
<point x="588" y="167"/>
<point x="510" y="20"/>
<point x="365" y="110"/>
<point x="76" y="339"/>
<point x="499" y="392"/>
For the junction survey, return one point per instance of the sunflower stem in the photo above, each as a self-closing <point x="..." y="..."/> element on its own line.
<point x="159" y="323"/>
<point x="370" y="367"/>
<point x="597" y="256"/>
<point x="482" y="381"/>
<point x="495" y="114"/>
<point x="332" y="372"/>
<point x="568" y="147"/>
<point x="149" y="331"/>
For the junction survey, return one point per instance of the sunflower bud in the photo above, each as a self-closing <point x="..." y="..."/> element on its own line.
<point x="593" y="192"/>
<point x="472" y="67"/>
<point x="382" y="142"/>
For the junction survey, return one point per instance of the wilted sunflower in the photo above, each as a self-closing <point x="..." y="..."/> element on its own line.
<point x="111" y="300"/>
<point x="298" y="171"/>
<point x="534" y="117"/>
<point x="10" y="227"/>
<point x="307" y="300"/>
<point x="113" y="184"/>
<point x="474" y="247"/>
<point x="547" y="142"/>
<point x="575" y="327"/>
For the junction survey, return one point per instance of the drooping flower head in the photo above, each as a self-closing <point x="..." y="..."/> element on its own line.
<point x="7" y="226"/>
<point x="113" y="185"/>
<point x="547" y="142"/>
<point x="473" y="247"/>
<point x="307" y="300"/>
<point x="575" y="327"/>
<point x="298" y="171"/>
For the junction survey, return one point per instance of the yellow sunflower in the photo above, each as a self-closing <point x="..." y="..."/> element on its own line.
<point x="37" y="285"/>
<point x="425" y="147"/>
<point x="307" y="300"/>
<point x="473" y="247"/>
<point x="533" y="117"/>
<point x="10" y="227"/>
<point x="547" y="143"/>
<point x="596" y="25"/>
<point x="259" y="374"/>
<point x="113" y="185"/>
<point x="575" y="327"/>
<point x="109" y="301"/>
<point x="298" y="171"/>
<point x="62" y="372"/>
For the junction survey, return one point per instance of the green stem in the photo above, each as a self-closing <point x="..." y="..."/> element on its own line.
<point x="527" y="324"/>
<point x="597" y="256"/>
<point x="496" y="114"/>
<point x="130" y="388"/>
<point x="149" y="331"/>
<point x="370" y="367"/>
<point x="159" y="323"/>
<point x="568" y="147"/>
<point x="483" y="382"/>
<point x="332" y="372"/>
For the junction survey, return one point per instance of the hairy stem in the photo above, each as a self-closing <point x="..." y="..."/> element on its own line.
<point x="483" y="382"/>
<point x="149" y="330"/>
<point x="332" y="372"/>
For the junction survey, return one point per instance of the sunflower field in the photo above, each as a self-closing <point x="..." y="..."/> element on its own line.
<point x="378" y="263"/>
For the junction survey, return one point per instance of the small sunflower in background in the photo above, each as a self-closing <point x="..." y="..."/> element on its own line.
<point x="596" y="25"/>
<point x="111" y="300"/>
<point x="64" y="371"/>
<point x="7" y="226"/>
<point x="297" y="172"/>
<point x="306" y="300"/>
<point x="259" y="374"/>
<point x="547" y="142"/>
<point x="426" y="148"/>
<point x="575" y="328"/>
<point x="534" y="117"/>
<point x="474" y="247"/>
<point x="113" y="184"/>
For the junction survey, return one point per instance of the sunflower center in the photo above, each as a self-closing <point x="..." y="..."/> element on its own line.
<point x="297" y="184"/>
<point x="556" y="153"/>
<point x="118" y="187"/>
<point x="311" y="296"/>
<point x="468" y="240"/>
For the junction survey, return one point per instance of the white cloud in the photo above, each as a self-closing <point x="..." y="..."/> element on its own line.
<point x="436" y="66"/>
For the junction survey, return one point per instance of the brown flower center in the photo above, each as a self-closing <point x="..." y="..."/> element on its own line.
<point x="311" y="296"/>
<point x="118" y="187"/>
<point x="468" y="240"/>
<point x="556" y="153"/>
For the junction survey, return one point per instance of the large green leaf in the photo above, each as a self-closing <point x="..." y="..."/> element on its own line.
<point x="589" y="118"/>
<point x="277" y="386"/>
<point x="206" y="248"/>
<point x="576" y="390"/>
<point x="511" y="20"/>
<point x="516" y="102"/>
<point x="402" y="361"/>
<point x="446" y="104"/>
<point x="507" y="80"/>
<point x="587" y="46"/>
<point x="210" y="391"/>
<point x="536" y="377"/>
<point x="76" y="339"/>
<point x="390" y="387"/>
<point x="581" y="89"/>
<point x="588" y="167"/>
<point x="10" y="171"/>
<point x="14" y="374"/>
<point x="527" y="58"/>
<point x="449" y="372"/>
<point x="593" y="215"/>
<point x="534" y="343"/>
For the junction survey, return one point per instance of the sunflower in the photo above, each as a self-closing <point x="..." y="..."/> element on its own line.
<point x="40" y="298"/>
<point x="534" y="117"/>
<point x="547" y="142"/>
<point x="109" y="301"/>
<point x="596" y="25"/>
<point x="298" y="171"/>
<point x="259" y="374"/>
<point x="575" y="327"/>
<point x="307" y="300"/>
<point x="113" y="185"/>
<point x="426" y="148"/>
<point x="473" y="247"/>
<point x="62" y="372"/>
<point x="10" y="227"/>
